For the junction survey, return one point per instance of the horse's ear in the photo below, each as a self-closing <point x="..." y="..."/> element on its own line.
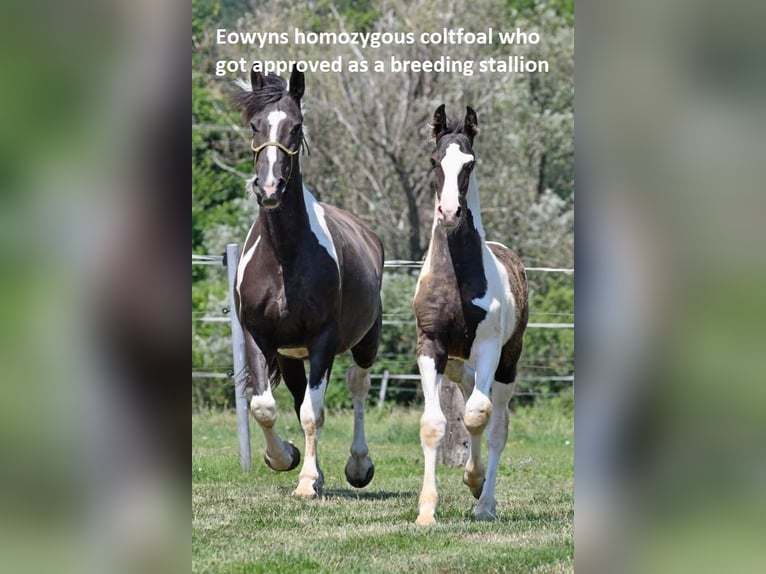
<point x="438" y="123"/>
<point x="471" y="123"/>
<point x="256" y="80"/>
<point x="297" y="84"/>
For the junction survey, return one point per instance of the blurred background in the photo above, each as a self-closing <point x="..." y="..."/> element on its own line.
<point x="669" y="457"/>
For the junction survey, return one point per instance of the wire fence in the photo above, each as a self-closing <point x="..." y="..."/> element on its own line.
<point x="381" y="380"/>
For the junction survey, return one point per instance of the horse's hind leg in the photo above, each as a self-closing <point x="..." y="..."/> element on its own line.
<point x="280" y="455"/>
<point x="359" y="468"/>
<point x="294" y="375"/>
<point x="497" y="435"/>
<point x="497" y="429"/>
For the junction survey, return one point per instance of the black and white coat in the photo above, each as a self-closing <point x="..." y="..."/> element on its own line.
<point x="471" y="311"/>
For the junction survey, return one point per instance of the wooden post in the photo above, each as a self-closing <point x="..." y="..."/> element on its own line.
<point x="454" y="447"/>
<point x="238" y="354"/>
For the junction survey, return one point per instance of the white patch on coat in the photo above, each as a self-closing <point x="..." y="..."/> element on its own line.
<point x="244" y="260"/>
<point x="318" y="225"/>
<point x="274" y="119"/>
<point x="452" y="163"/>
<point x="496" y="328"/>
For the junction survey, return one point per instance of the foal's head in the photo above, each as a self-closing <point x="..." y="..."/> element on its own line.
<point x="452" y="161"/>
<point x="274" y="113"/>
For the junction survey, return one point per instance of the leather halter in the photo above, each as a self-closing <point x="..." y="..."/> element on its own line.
<point x="288" y="151"/>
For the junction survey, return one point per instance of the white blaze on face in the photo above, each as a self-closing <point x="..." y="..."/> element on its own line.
<point x="452" y="163"/>
<point x="274" y="119"/>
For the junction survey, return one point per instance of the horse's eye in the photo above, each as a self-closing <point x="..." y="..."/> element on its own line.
<point x="433" y="163"/>
<point x="296" y="130"/>
<point x="469" y="165"/>
<point x="255" y="130"/>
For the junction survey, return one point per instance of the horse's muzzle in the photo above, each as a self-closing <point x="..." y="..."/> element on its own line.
<point x="270" y="196"/>
<point x="448" y="218"/>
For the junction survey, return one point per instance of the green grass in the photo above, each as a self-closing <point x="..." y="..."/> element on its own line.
<point x="248" y="522"/>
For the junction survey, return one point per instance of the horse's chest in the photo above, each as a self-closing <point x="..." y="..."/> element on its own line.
<point x="289" y="300"/>
<point x="445" y="314"/>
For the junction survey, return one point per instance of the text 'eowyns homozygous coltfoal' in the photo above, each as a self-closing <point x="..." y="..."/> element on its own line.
<point x="471" y="311"/>
<point x="308" y="287"/>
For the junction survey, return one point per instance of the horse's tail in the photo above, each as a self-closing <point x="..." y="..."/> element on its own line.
<point x="275" y="375"/>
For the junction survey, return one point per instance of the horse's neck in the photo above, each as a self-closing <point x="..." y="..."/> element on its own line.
<point x="465" y="243"/>
<point x="287" y="224"/>
<point x="474" y="206"/>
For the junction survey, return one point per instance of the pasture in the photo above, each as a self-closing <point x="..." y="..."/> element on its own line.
<point x="250" y="523"/>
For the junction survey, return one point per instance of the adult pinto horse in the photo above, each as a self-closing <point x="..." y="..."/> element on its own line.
<point x="471" y="311"/>
<point x="308" y="287"/>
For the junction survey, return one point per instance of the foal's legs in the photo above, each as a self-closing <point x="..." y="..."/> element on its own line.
<point x="321" y="356"/>
<point x="497" y="434"/>
<point x="432" y="427"/>
<point x="280" y="455"/>
<point x="478" y="411"/>
<point x="359" y="468"/>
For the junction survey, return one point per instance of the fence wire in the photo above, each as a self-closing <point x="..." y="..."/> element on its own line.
<point x="206" y="259"/>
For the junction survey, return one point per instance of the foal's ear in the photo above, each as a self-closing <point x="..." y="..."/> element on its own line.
<point x="438" y="123"/>
<point x="297" y="84"/>
<point x="471" y="123"/>
<point x="256" y="80"/>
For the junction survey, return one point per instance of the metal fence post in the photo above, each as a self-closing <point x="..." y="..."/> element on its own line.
<point x="240" y="370"/>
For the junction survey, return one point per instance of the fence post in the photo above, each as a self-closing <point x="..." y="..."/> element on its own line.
<point x="240" y="370"/>
<point x="383" y="389"/>
<point x="453" y="450"/>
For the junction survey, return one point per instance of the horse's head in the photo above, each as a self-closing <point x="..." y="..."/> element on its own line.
<point x="274" y="113"/>
<point x="452" y="161"/>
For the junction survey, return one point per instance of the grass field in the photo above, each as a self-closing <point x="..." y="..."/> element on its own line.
<point x="250" y="523"/>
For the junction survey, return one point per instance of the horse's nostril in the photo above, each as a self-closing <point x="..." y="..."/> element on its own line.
<point x="439" y="209"/>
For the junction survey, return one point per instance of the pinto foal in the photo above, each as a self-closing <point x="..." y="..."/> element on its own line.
<point x="471" y="311"/>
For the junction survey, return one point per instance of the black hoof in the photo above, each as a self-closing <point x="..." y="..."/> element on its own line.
<point x="477" y="491"/>
<point x="365" y="481"/>
<point x="295" y="455"/>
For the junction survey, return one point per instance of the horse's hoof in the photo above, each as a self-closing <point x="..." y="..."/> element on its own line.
<point x="486" y="512"/>
<point x="295" y="458"/>
<point x="355" y="473"/>
<point x="308" y="488"/>
<point x="476" y="491"/>
<point x="425" y="520"/>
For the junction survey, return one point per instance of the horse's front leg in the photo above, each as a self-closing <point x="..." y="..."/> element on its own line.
<point x="280" y="454"/>
<point x="431" y="364"/>
<point x="321" y="356"/>
<point x="478" y="410"/>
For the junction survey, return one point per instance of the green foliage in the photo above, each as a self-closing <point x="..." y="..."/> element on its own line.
<point x="564" y="8"/>
<point x="375" y="165"/>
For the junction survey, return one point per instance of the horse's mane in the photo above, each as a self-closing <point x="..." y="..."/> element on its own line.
<point x="274" y="89"/>
<point x="452" y="126"/>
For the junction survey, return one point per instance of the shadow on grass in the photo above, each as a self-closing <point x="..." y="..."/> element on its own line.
<point x="365" y="495"/>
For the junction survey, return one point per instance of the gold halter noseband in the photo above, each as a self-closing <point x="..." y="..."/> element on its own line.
<point x="287" y="150"/>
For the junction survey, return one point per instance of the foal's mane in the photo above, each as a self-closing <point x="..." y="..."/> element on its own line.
<point x="451" y="127"/>
<point x="274" y="89"/>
